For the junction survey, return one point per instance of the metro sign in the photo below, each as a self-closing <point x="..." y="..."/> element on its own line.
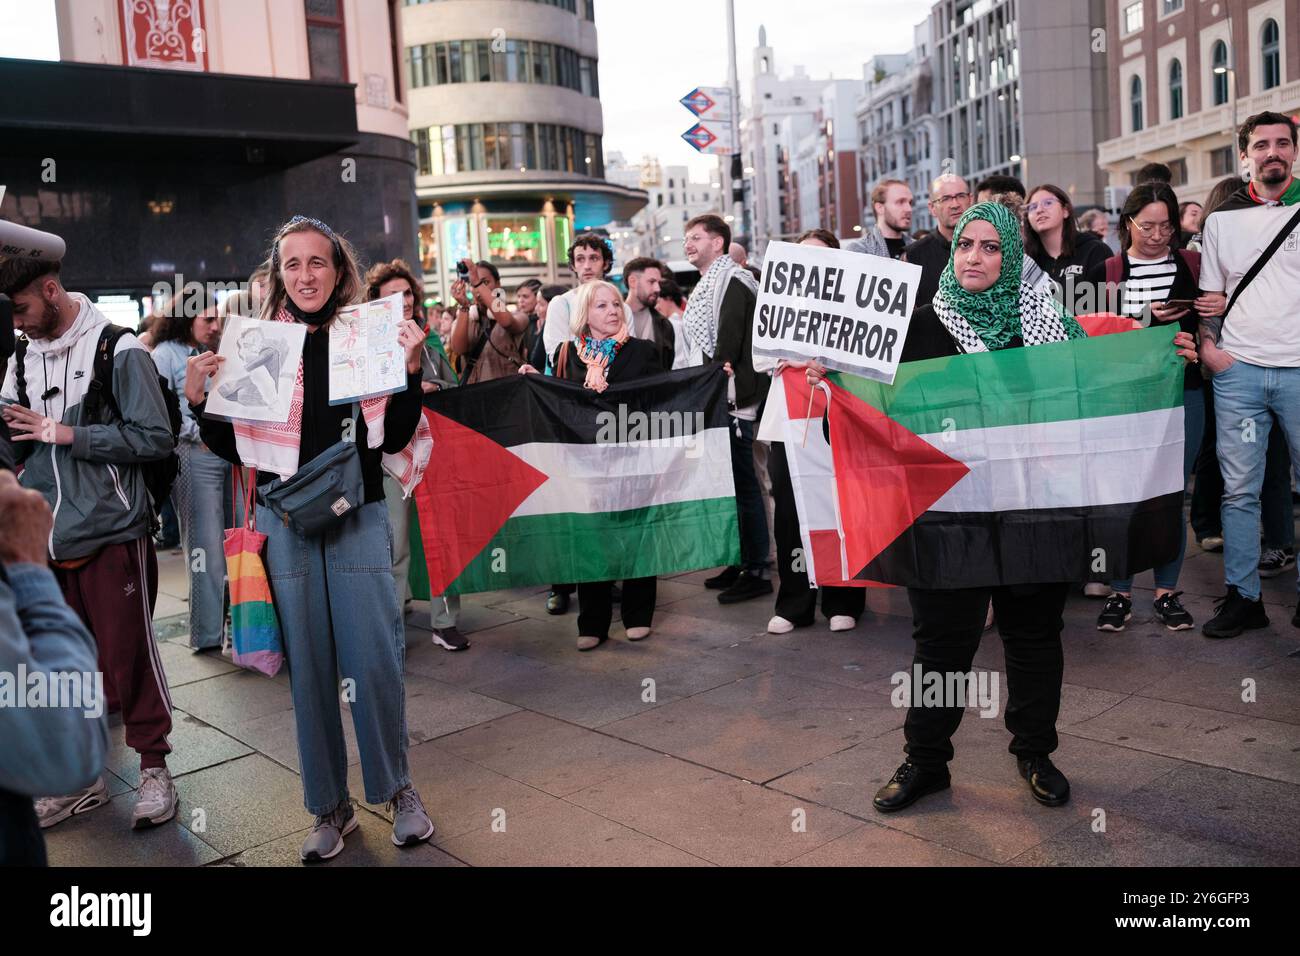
<point x="700" y="136"/>
<point x="698" y="102"/>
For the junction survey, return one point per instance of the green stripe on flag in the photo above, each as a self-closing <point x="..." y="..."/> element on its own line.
<point x="638" y="542"/>
<point x="1122" y="374"/>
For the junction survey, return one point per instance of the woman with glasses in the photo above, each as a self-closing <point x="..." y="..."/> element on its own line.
<point x="1053" y="242"/>
<point x="1154" y="282"/>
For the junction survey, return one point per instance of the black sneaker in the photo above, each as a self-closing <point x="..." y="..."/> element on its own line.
<point x="1234" y="614"/>
<point x="1115" y="614"/>
<point x="748" y="586"/>
<point x="1276" y="560"/>
<point x="909" y="784"/>
<point x="449" y="638"/>
<point x="557" y="603"/>
<point x="1047" y="784"/>
<point x="1171" y="613"/>
<point x="724" y="580"/>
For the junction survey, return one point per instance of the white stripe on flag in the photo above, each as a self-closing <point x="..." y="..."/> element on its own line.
<point x="612" y="477"/>
<point x="1117" y="459"/>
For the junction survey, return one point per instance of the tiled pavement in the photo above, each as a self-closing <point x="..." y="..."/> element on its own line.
<point x="746" y="749"/>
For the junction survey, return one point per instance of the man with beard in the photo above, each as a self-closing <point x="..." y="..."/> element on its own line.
<point x="83" y="449"/>
<point x="643" y="276"/>
<point x="1250" y="342"/>
<point x="891" y="203"/>
<point x="949" y="198"/>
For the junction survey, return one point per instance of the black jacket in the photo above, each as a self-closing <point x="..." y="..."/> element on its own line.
<point x="1089" y="250"/>
<point x="322" y="423"/>
<point x="735" y="334"/>
<point x="931" y="254"/>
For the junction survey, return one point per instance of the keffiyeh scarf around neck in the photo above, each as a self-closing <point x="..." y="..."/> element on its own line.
<point x="700" y="321"/>
<point x="983" y="321"/>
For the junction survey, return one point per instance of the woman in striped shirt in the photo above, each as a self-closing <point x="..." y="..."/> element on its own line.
<point x="1153" y="282"/>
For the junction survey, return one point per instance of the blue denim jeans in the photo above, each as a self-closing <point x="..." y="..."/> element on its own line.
<point x="201" y="496"/>
<point x="1248" y="401"/>
<point x="1166" y="576"/>
<point x="752" y="512"/>
<point x="338" y="611"/>
<point x="444" y="609"/>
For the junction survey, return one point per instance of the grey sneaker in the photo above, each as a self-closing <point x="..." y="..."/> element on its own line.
<point x="52" y="810"/>
<point x="155" y="798"/>
<point x="326" y="838"/>
<point x="411" y="825"/>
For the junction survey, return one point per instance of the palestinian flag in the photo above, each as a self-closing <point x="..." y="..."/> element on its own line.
<point x="539" y="481"/>
<point x="1060" y="462"/>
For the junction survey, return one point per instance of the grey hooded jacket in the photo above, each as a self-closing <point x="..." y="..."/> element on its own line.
<point x="94" y="485"/>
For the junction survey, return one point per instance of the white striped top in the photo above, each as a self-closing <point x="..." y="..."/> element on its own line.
<point x="1149" y="280"/>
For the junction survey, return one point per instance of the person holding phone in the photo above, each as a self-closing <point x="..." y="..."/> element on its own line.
<point x="1154" y="282"/>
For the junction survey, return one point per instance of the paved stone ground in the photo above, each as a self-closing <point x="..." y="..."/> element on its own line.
<point x="745" y="730"/>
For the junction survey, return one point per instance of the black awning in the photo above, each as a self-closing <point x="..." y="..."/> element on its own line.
<point x="124" y="111"/>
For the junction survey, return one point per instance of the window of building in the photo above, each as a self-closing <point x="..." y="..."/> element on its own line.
<point x="326" y="51"/>
<point x="1271" y="61"/>
<point x="1133" y="17"/>
<point x="1178" y="169"/>
<point x="516" y="239"/>
<point x="1219" y="60"/>
<point x="1222" y="162"/>
<point x="1175" y="90"/>
<point x="1135" y="103"/>
<point x="1170" y="6"/>
<point x="517" y="61"/>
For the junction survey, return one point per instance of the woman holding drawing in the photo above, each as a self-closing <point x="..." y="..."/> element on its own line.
<point x="333" y="590"/>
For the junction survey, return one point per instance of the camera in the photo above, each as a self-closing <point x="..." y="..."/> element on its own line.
<point x="462" y="270"/>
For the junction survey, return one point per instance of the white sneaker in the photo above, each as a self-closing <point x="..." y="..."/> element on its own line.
<point x="638" y="633"/>
<point x="52" y="810"/>
<point x="1096" y="589"/>
<point x="779" y="625"/>
<point x="155" y="799"/>
<point x="842" y="622"/>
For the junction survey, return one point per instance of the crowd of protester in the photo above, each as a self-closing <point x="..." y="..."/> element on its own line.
<point x="1028" y="261"/>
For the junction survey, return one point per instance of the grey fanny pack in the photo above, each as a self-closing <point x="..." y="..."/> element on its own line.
<point x="323" y="492"/>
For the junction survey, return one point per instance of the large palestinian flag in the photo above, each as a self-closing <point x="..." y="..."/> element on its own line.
<point x="1059" y="462"/>
<point x="538" y="481"/>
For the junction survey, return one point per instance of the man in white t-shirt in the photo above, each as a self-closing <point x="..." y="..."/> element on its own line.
<point x="1253" y="351"/>
<point x="590" y="258"/>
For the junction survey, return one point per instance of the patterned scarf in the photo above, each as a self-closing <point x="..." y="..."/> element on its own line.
<point x="700" y="321"/>
<point x="598" y="355"/>
<point x="982" y="321"/>
<point x="274" y="446"/>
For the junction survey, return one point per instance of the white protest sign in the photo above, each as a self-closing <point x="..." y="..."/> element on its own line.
<point x="846" y="310"/>
<point x="366" y="358"/>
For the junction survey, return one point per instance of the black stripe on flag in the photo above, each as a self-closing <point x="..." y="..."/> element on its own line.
<point x="946" y="550"/>
<point x="519" y="409"/>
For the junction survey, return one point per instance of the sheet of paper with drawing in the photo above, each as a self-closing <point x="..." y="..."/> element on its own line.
<point x="845" y="310"/>
<point x="366" y="358"/>
<point x="256" y="379"/>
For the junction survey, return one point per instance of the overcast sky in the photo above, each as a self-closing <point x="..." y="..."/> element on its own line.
<point x="650" y="57"/>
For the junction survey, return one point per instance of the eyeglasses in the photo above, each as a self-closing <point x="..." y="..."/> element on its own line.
<point x="1046" y="203"/>
<point x="948" y="200"/>
<point x="1153" y="228"/>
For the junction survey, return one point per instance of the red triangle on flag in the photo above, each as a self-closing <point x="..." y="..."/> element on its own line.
<point x="885" y="476"/>
<point x="467" y="498"/>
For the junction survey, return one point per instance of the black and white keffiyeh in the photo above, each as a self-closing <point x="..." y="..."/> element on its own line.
<point x="1041" y="321"/>
<point x="700" y="321"/>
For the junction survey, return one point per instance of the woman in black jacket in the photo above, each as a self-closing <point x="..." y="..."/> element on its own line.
<point x="1054" y="242"/>
<point x="599" y="351"/>
<point x="333" y="591"/>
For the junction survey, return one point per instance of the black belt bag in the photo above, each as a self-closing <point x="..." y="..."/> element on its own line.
<point x="321" y="493"/>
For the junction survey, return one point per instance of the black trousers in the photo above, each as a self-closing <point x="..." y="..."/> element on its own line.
<point x="596" y="605"/>
<point x="796" y="601"/>
<point x="947" y="626"/>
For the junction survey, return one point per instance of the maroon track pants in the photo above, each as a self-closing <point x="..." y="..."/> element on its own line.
<point x="114" y="596"/>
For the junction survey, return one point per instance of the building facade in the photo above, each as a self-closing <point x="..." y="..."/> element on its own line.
<point x="1184" y="74"/>
<point x="897" y="131"/>
<point x="507" y="126"/>
<point x="174" y="138"/>
<point x="673" y="199"/>
<point x="1019" y="89"/>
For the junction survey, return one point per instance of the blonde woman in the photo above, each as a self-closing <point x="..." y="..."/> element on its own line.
<point x="601" y="351"/>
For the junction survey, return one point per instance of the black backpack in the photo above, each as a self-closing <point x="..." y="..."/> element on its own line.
<point x="159" y="475"/>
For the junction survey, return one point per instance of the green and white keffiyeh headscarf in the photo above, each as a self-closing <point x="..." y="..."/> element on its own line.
<point x="988" y="320"/>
